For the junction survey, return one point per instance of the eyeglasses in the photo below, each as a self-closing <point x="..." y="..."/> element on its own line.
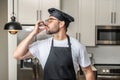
<point x="50" y="20"/>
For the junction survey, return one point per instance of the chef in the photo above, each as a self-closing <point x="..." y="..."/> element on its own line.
<point x="60" y="55"/>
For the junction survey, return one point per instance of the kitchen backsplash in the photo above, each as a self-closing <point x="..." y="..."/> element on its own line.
<point x="105" y="54"/>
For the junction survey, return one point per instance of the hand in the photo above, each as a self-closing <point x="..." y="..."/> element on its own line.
<point x="39" y="26"/>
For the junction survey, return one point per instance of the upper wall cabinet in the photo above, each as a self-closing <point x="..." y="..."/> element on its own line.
<point x="83" y="29"/>
<point x="29" y="11"/>
<point x="87" y="22"/>
<point x="107" y="12"/>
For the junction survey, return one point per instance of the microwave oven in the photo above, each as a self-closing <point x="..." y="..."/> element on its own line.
<point x="108" y="35"/>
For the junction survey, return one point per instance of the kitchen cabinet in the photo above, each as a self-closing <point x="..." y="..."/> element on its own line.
<point x="107" y="12"/>
<point x="83" y="29"/>
<point x="29" y="11"/>
<point x="73" y="11"/>
<point x="86" y="33"/>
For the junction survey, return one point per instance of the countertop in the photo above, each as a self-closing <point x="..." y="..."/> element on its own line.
<point x="93" y="68"/>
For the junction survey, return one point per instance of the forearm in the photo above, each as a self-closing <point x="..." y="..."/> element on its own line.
<point x="22" y="48"/>
<point x="89" y="76"/>
<point x="88" y="73"/>
<point x="21" y="51"/>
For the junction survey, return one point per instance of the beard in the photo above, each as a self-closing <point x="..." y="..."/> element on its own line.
<point x="53" y="31"/>
<point x="50" y="32"/>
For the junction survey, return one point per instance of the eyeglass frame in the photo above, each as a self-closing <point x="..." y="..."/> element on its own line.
<point x="50" y="20"/>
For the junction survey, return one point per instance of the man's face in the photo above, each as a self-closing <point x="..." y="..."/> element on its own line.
<point x="52" y="25"/>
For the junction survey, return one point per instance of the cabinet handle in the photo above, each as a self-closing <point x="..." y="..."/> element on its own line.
<point x="111" y="17"/>
<point x="76" y="35"/>
<point x="114" y="17"/>
<point x="37" y="15"/>
<point x="40" y="15"/>
<point x="79" y="36"/>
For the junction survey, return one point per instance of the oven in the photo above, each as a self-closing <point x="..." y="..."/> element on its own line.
<point x="108" y="71"/>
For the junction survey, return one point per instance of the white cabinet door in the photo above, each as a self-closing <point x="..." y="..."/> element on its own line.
<point x="117" y="14"/>
<point x="29" y="11"/>
<point x="46" y="4"/>
<point x="104" y="13"/>
<point x="68" y="7"/>
<point x="83" y="29"/>
<point x="87" y="22"/>
<point x="107" y="12"/>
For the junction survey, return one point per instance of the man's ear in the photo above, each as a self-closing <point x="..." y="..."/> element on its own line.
<point x="62" y="24"/>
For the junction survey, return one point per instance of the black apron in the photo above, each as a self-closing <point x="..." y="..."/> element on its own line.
<point x="59" y="65"/>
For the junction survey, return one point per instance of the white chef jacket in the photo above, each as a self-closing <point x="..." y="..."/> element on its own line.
<point x="41" y="50"/>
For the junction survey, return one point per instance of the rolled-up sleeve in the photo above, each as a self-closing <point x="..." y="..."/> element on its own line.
<point x="84" y="59"/>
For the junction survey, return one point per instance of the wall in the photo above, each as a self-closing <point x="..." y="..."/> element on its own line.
<point x="3" y="41"/>
<point x="105" y="54"/>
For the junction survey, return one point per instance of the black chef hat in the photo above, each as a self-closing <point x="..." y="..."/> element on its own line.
<point x="62" y="16"/>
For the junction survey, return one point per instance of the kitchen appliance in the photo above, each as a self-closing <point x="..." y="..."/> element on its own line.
<point x="108" y="71"/>
<point x="108" y="35"/>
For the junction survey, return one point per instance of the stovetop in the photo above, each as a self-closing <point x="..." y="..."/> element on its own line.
<point x="107" y="66"/>
<point x="108" y="69"/>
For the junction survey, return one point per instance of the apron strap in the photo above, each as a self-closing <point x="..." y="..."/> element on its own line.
<point x="69" y="41"/>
